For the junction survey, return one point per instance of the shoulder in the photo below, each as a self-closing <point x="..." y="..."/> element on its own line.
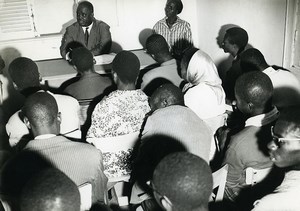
<point x="247" y="133"/>
<point x="183" y="22"/>
<point x="73" y="26"/>
<point x="101" y="24"/>
<point x="65" y="99"/>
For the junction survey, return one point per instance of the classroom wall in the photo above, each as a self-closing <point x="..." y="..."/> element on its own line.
<point x="264" y="20"/>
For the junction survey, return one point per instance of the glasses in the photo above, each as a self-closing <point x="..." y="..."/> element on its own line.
<point x="279" y="141"/>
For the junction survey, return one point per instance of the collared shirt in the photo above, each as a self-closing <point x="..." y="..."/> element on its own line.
<point x="263" y="119"/>
<point x="89" y="28"/>
<point x="180" y="30"/>
<point x="44" y="136"/>
<point x="121" y="112"/>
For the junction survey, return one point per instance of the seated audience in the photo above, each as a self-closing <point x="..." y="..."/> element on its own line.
<point x="203" y="92"/>
<point x="167" y="70"/>
<point x="284" y="151"/>
<point x="49" y="190"/>
<point x="79" y="161"/>
<point x="234" y="43"/>
<point x="170" y="117"/>
<point x="89" y="84"/>
<point x="93" y="34"/>
<point x="286" y="85"/>
<point x="176" y="31"/>
<point x="26" y="79"/>
<point x="122" y="111"/>
<point x="248" y="148"/>
<point x="182" y="181"/>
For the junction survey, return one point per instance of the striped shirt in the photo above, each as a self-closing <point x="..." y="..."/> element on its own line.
<point x="175" y="36"/>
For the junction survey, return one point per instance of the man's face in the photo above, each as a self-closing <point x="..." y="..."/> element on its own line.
<point x="226" y="45"/>
<point x="170" y="9"/>
<point x="284" y="149"/>
<point x="241" y="104"/>
<point x="84" y="16"/>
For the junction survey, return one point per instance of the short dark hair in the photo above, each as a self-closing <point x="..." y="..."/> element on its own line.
<point x="63" y="194"/>
<point x="41" y="109"/>
<point x="251" y="59"/>
<point x="188" y="54"/>
<point x="255" y="87"/>
<point x="290" y="116"/>
<point x="24" y="73"/>
<point x="127" y="66"/>
<point x="86" y="4"/>
<point x="169" y="93"/>
<point x="185" y="179"/>
<point x="238" y="36"/>
<point x="156" y="44"/>
<point x="83" y="59"/>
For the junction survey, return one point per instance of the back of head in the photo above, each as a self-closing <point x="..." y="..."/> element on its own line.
<point x="238" y="36"/>
<point x="127" y="66"/>
<point x="256" y="88"/>
<point x="40" y="109"/>
<point x="185" y="179"/>
<point x="252" y="60"/>
<point x="156" y="44"/>
<point x="166" y="95"/>
<point x="50" y="189"/>
<point x="83" y="59"/>
<point x="24" y="73"/>
<point x="72" y="46"/>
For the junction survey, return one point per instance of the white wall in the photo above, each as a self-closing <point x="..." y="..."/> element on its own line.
<point x="264" y="20"/>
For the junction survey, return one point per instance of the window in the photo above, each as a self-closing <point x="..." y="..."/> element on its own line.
<point x="16" y="19"/>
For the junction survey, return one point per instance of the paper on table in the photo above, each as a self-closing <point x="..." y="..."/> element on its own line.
<point x="104" y="58"/>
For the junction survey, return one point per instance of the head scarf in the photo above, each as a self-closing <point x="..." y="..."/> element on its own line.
<point x="201" y="69"/>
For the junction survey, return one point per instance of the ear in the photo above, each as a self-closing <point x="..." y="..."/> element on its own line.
<point x="27" y="123"/>
<point x="165" y="103"/>
<point x="40" y="77"/>
<point x="15" y="86"/>
<point x="166" y="203"/>
<point x="115" y="77"/>
<point x="59" y="117"/>
<point x="250" y="106"/>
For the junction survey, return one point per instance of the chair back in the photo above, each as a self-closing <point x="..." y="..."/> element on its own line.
<point x="85" y="191"/>
<point x="219" y="182"/>
<point x="84" y="105"/>
<point x="254" y="176"/>
<point x="116" y="154"/>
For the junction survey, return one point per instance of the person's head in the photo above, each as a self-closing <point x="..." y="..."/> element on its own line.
<point x="85" y="13"/>
<point x="125" y="68"/>
<point x="166" y="95"/>
<point x="197" y="67"/>
<point x="82" y="59"/>
<point x="49" y="190"/>
<point x="182" y="181"/>
<point x="24" y="73"/>
<point x="71" y="46"/>
<point x="173" y="8"/>
<point x="285" y="146"/>
<point x="253" y="92"/>
<point x="41" y="114"/>
<point x="157" y="47"/>
<point x="235" y="40"/>
<point x="252" y="60"/>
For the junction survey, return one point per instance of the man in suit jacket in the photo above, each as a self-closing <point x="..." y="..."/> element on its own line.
<point x="92" y="33"/>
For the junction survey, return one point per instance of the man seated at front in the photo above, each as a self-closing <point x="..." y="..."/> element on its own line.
<point x="167" y="71"/>
<point x="284" y="151"/>
<point x="79" y="161"/>
<point x="93" y="34"/>
<point x="248" y="148"/>
<point x="182" y="181"/>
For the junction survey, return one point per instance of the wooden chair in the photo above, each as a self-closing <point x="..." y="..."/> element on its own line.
<point x="112" y="149"/>
<point x="254" y="176"/>
<point x="219" y="182"/>
<point x="85" y="191"/>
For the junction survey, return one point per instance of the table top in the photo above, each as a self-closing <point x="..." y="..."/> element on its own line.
<point x="59" y="68"/>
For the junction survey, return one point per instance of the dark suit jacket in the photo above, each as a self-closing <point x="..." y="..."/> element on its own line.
<point x="99" y="39"/>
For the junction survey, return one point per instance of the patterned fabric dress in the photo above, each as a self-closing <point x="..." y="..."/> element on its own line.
<point x="121" y="112"/>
